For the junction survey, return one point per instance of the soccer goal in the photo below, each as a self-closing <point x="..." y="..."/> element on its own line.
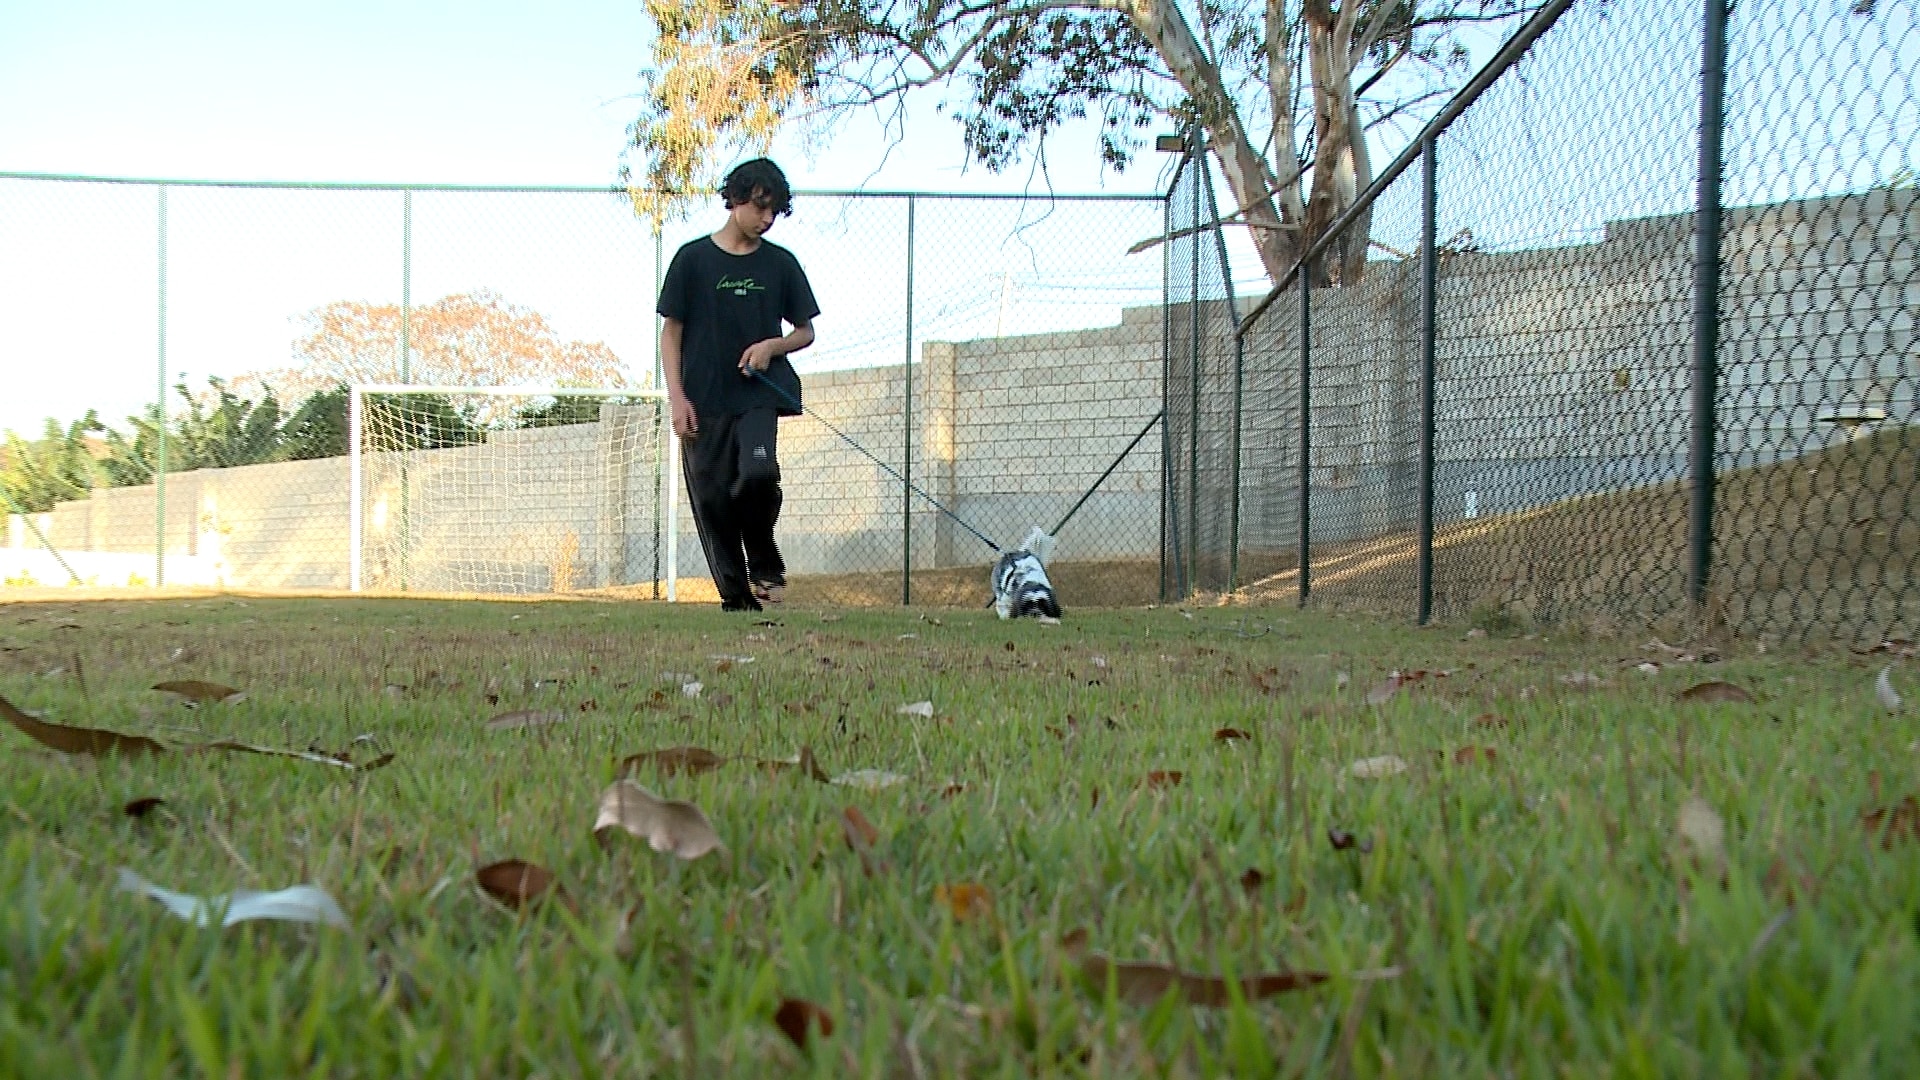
<point x="511" y="491"/>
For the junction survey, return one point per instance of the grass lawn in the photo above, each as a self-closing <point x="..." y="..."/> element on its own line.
<point x="1539" y="891"/>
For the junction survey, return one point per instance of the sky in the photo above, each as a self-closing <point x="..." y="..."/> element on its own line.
<point x="494" y="92"/>
<point x="424" y="91"/>
<point x="419" y="91"/>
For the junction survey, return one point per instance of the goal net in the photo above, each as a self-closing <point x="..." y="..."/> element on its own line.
<point x="511" y="491"/>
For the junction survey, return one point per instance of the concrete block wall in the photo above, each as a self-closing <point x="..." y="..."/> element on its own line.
<point x="841" y="512"/>
<point x="518" y="513"/>
<point x="275" y="526"/>
<point x="1035" y="420"/>
<point x="1562" y="371"/>
<point x="1565" y="371"/>
<point x="278" y="529"/>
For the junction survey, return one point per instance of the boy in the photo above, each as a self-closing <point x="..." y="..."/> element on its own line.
<point x="724" y="300"/>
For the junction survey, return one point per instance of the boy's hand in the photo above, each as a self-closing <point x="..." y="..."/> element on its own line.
<point x="686" y="423"/>
<point x="758" y="356"/>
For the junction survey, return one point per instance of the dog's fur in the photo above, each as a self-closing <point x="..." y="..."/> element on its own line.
<point x="1019" y="580"/>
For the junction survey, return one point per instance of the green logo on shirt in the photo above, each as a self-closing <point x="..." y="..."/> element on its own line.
<point x="740" y="287"/>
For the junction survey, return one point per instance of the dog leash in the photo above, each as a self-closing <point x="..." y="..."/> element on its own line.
<point x="911" y="486"/>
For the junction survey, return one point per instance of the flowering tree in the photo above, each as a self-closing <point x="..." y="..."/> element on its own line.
<point x="473" y="339"/>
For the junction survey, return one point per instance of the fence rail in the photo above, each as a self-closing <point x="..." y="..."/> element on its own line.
<point x="993" y="349"/>
<point x="1593" y="369"/>
<point x="1633" y="341"/>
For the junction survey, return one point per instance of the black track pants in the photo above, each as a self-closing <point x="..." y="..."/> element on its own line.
<point x="733" y="481"/>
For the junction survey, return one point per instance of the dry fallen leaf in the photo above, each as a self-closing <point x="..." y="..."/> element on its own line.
<point x="1901" y="821"/>
<point x="1681" y="655"/>
<point x="1342" y="840"/>
<point x="1705" y="834"/>
<point x="1467" y="755"/>
<point x="964" y="900"/>
<point x="298" y="755"/>
<point x="515" y="883"/>
<point x="1490" y="720"/>
<point x="861" y="837"/>
<point x="1883" y="690"/>
<point x="1788" y="884"/>
<point x="670" y="826"/>
<point x="623" y="937"/>
<point x="1229" y="734"/>
<point x="860" y="832"/>
<point x="804" y="761"/>
<point x="1385" y="691"/>
<point x="77" y="740"/>
<point x="1374" y="768"/>
<point x="918" y="708"/>
<point x="691" y="760"/>
<point x="526" y="718"/>
<point x="1161" y="778"/>
<point x="1713" y="690"/>
<point x="797" y="1018"/>
<point x="200" y="693"/>
<point x="1892" y="647"/>
<point x="869" y="779"/>
<point x="1143" y="983"/>
<point x="301" y="903"/>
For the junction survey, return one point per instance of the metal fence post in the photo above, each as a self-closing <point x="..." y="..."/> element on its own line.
<point x="356" y="489"/>
<point x="406" y="372"/>
<point x="160" y="417"/>
<point x="1191" y="572"/>
<point x="906" y="486"/>
<point x="1239" y="374"/>
<point x="1706" y="301"/>
<point x="657" y="379"/>
<point x="1166" y="375"/>
<point x="1305" y="280"/>
<point x="1429" y="273"/>
<point x="406" y="286"/>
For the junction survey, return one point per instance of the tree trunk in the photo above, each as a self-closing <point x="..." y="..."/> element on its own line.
<point x="1280" y="76"/>
<point x="1343" y="168"/>
<point x="1251" y="181"/>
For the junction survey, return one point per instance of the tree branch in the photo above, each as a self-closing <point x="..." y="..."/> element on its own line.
<point x="1382" y="73"/>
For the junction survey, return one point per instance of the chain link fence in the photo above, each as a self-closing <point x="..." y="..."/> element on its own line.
<point x="1002" y="354"/>
<point x="1527" y="400"/>
<point x="1203" y="389"/>
<point x="1536" y="404"/>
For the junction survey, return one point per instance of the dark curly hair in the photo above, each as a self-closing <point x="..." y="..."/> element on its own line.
<point x="752" y="179"/>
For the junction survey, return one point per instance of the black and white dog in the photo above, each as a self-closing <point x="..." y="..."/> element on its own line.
<point x="1019" y="579"/>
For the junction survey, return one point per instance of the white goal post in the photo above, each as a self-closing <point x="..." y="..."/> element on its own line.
<point x="502" y="490"/>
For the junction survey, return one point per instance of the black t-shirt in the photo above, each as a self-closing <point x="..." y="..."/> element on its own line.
<point x="725" y="303"/>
